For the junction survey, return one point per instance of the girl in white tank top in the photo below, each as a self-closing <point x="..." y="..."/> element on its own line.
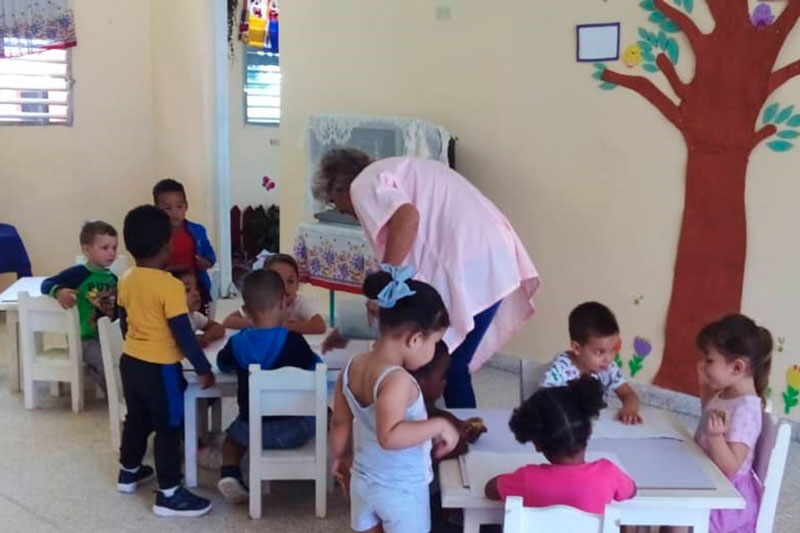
<point x="381" y="434"/>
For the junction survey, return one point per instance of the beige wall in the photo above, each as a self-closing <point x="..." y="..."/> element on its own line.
<point x="592" y="180"/>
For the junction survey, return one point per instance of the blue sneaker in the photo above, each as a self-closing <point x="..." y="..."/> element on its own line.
<point x="128" y="482"/>
<point x="181" y="503"/>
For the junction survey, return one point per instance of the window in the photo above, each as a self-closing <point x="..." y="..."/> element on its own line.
<point x="36" y="88"/>
<point x="262" y="87"/>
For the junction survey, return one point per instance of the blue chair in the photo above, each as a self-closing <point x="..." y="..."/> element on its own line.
<point x="13" y="257"/>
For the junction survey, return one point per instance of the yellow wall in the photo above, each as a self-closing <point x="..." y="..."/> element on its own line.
<point x="592" y="180"/>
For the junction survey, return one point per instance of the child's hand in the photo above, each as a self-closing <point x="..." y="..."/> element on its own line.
<point x="202" y="263"/>
<point x="629" y="415"/>
<point x="66" y="297"/>
<point x="341" y="471"/>
<point x="203" y="341"/>
<point x="717" y="423"/>
<point x="333" y="341"/>
<point x="206" y="380"/>
<point x="472" y="428"/>
<point x="446" y="440"/>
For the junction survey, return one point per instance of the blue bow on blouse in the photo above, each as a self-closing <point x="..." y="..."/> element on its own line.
<point x="397" y="289"/>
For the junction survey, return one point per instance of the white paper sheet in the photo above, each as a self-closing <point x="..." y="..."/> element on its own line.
<point x="598" y="43"/>
<point x="656" y="424"/>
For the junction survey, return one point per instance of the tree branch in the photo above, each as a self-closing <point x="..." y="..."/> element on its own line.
<point x="651" y="93"/>
<point x="682" y="20"/>
<point x="788" y="18"/>
<point x="764" y="133"/>
<point x="668" y="69"/>
<point x="781" y="76"/>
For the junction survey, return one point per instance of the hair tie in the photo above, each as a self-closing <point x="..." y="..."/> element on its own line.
<point x="397" y="289"/>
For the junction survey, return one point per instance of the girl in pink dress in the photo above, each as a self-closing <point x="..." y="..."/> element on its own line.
<point x="733" y="374"/>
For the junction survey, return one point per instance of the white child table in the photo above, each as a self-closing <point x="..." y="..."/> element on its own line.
<point x="9" y="302"/>
<point x="675" y="507"/>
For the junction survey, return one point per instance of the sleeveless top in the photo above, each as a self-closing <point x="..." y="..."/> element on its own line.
<point x="390" y="468"/>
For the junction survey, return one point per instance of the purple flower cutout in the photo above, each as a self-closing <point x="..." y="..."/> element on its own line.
<point x="642" y="347"/>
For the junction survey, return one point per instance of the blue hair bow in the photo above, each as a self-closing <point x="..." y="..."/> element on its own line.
<point x="397" y="289"/>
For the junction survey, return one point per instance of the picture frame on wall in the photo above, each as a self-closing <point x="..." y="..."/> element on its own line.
<point x="597" y="42"/>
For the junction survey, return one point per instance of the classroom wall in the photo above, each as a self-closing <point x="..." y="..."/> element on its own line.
<point x="592" y="180"/>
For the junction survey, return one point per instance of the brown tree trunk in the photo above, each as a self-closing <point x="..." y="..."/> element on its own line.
<point x="709" y="268"/>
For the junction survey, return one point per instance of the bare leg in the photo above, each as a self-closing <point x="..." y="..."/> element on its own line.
<point x="232" y="453"/>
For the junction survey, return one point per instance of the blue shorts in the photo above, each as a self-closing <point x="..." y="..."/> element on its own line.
<point x="276" y="434"/>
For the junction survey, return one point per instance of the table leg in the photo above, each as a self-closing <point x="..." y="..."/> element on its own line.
<point x="701" y="521"/>
<point x="216" y="416"/>
<point x="14" y="374"/>
<point x="472" y="522"/>
<point x="190" y="435"/>
<point x="332" y="306"/>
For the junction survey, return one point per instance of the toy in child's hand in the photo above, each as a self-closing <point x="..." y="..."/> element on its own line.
<point x="473" y="428"/>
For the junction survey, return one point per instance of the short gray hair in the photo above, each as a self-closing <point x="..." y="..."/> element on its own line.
<point x="337" y="170"/>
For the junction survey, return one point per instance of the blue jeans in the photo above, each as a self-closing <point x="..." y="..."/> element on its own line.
<point x="276" y="434"/>
<point x="459" y="393"/>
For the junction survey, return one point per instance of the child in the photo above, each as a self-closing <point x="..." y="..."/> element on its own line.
<point x="391" y="468"/>
<point x="271" y="346"/>
<point x="300" y="315"/>
<point x="211" y="330"/>
<point x="733" y="373"/>
<point x="594" y="336"/>
<point x="191" y="249"/>
<point x="93" y="288"/>
<point x="155" y="321"/>
<point x="558" y="421"/>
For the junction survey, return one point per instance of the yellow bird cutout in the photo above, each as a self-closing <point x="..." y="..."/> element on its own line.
<point x="632" y="56"/>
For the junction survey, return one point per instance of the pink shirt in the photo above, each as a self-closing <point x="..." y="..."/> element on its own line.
<point x="465" y="247"/>
<point x="588" y="486"/>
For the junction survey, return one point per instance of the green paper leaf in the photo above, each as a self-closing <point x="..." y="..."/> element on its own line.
<point x="789" y="134"/>
<point x="648" y="5"/>
<point x="677" y="2"/>
<point x="650" y="67"/>
<point x="644" y="45"/>
<point x="647" y="55"/>
<point x="780" y="146"/>
<point x="662" y="40"/>
<point x="794" y="122"/>
<point x="656" y="17"/>
<point x="769" y="113"/>
<point x="644" y="34"/>
<point x="600" y="66"/>
<point x="608" y="86"/>
<point x="688" y="5"/>
<point x="785" y="114"/>
<point x="598" y="75"/>
<point x="672" y="50"/>
<point x="670" y="27"/>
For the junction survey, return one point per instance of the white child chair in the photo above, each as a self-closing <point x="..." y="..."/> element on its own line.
<point x="519" y="519"/>
<point x="769" y="464"/>
<point x="110" y="335"/>
<point x="288" y="392"/>
<point x="44" y="315"/>
<point x="118" y="267"/>
<point x="530" y="374"/>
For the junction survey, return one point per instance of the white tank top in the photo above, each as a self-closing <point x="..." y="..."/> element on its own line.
<point x="391" y="468"/>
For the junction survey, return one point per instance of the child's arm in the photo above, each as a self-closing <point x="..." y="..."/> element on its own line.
<point x="235" y="320"/>
<point x="187" y="342"/>
<point x="629" y="413"/>
<point x="342" y="438"/>
<point x="205" y="255"/>
<point x="212" y="331"/>
<point x="491" y="491"/>
<point x="394" y="432"/>
<point x="728" y="456"/>
<point x="62" y="286"/>
<point x="313" y="326"/>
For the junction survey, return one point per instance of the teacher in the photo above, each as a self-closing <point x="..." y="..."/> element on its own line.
<point x="422" y="213"/>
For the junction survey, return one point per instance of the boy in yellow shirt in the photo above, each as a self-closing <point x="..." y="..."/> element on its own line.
<point x="155" y="320"/>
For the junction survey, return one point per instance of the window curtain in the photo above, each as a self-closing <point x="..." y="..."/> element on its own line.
<point x="31" y="26"/>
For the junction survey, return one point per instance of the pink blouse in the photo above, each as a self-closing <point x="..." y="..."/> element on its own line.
<point x="465" y="246"/>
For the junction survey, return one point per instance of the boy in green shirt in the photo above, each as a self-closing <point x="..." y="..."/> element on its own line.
<point x="92" y="287"/>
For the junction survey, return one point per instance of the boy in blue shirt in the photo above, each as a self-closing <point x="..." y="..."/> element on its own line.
<point x="270" y="346"/>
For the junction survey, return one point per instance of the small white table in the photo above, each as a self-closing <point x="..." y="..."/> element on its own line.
<point x="676" y="507"/>
<point x="226" y="385"/>
<point x="9" y="302"/>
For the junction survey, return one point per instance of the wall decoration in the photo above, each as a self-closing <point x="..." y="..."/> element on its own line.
<point x="790" y="395"/>
<point x="718" y="114"/>
<point x="642" y="348"/>
<point x="598" y="42"/>
<point x="632" y="56"/>
<point x="267" y="183"/>
<point x="762" y="16"/>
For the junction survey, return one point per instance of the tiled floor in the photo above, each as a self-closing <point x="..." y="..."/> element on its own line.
<point x="57" y="473"/>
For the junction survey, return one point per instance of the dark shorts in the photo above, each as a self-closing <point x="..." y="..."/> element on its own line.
<point x="276" y="434"/>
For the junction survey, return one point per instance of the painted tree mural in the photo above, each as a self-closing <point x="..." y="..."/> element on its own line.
<point x="719" y="113"/>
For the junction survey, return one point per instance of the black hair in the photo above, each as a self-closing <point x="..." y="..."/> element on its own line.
<point x="558" y="420"/>
<point x="262" y="290"/>
<point x="167" y="185"/>
<point x="337" y="170"/>
<point x="92" y="228"/>
<point x="285" y="259"/>
<point x="441" y="354"/>
<point x="424" y="311"/>
<point x="738" y="336"/>
<point x="146" y="230"/>
<point x="591" y="319"/>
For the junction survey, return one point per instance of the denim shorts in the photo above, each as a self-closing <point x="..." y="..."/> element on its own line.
<point x="276" y="434"/>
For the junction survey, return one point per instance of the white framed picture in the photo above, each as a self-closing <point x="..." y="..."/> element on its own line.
<point x="598" y="42"/>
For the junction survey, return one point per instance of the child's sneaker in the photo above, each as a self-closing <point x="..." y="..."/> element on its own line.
<point x="181" y="503"/>
<point x="233" y="490"/>
<point x="128" y="482"/>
